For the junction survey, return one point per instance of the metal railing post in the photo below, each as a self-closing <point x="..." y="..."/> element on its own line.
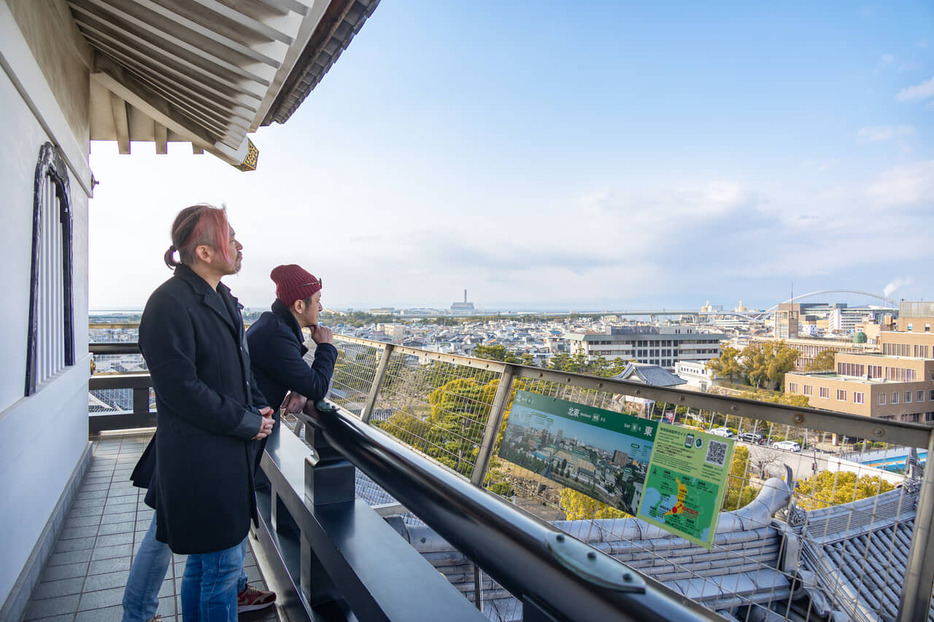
<point x="377" y="383"/>
<point x="140" y="400"/>
<point x="493" y="423"/>
<point x="915" y="603"/>
<point x="329" y="480"/>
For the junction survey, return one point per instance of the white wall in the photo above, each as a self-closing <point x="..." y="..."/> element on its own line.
<point x="42" y="437"/>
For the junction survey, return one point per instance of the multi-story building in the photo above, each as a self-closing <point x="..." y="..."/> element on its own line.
<point x="664" y="346"/>
<point x="808" y="349"/>
<point x="896" y="384"/>
<point x="915" y="317"/>
<point x="786" y="320"/>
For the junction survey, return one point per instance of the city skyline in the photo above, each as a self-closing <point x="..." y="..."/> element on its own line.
<point x="617" y="157"/>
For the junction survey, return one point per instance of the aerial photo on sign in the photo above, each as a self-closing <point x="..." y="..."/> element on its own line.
<point x="600" y="453"/>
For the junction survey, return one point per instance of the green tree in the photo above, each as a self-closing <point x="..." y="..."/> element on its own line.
<point x="765" y="364"/>
<point x="497" y="352"/>
<point x="579" y="364"/>
<point x="824" y="361"/>
<point x="727" y="364"/>
<point x="775" y="398"/>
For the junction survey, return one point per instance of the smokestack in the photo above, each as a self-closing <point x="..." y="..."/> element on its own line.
<point x="465" y="295"/>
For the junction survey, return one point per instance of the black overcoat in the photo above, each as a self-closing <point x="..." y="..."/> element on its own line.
<point x="277" y="351"/>
<point x="208" y="411"/>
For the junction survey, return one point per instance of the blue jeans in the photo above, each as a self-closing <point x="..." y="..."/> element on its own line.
<point x="209" y="587"/>
<point x="141" y="597"/>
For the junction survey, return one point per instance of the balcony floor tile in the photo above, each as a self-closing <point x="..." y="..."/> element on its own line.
<point x="86" y="574"/>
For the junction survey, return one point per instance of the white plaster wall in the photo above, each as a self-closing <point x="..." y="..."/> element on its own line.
<point x="41" y="441"/>
<point x="17" y="171"/>
<point x="42" y="437"/>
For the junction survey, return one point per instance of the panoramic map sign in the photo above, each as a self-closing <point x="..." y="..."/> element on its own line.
<point x="600" y="453"/>
<point x="686" y="482"/>
<point x="667" y="475"/>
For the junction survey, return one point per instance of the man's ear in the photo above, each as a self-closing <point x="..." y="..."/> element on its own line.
<point x="298" y="306"/>
<point x="204" y="252"/>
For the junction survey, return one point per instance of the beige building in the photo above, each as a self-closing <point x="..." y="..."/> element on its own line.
<point x="786" y="320"/>
<point x="873" y="385"/>
<point x="808" y="349"/>
<point x="915" y="317"/>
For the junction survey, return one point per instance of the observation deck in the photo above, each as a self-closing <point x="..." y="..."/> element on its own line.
<point x="392" y="503"/>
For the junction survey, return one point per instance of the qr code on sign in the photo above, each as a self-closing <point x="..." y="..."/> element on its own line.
<point x="716" y="453"/>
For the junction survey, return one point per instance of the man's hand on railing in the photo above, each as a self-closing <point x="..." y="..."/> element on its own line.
<point x="293" y="403"/>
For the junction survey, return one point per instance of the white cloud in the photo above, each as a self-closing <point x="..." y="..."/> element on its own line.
<point x="887" y="59"/>
<point x="909" y="184"/>
<point x="881" y="133"/>
<point x="894" y="284"/>
<point x="924" y="90"/>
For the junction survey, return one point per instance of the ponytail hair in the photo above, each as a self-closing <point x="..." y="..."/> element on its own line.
<point x="196" y="226"/>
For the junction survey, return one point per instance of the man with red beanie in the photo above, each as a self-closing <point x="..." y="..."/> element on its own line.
<point x="277" y="345"/>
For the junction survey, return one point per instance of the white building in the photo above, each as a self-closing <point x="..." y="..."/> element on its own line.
<point x="695" y="373"/>
<point x="664" y="346"/>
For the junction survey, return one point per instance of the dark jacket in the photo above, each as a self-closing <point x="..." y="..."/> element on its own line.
<point x="208" y="411"/>
<point x="277" y="348"/>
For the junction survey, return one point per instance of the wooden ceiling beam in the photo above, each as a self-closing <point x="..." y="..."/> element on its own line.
<point x="121" y="123"/>
<point x="162" y="138"/>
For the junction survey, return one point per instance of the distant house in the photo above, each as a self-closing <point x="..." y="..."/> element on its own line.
<point x="695" y="373"/>
<point x="649" y="374"/>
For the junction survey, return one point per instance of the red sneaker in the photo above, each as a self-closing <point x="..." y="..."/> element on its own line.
<point x="252" y="599"/>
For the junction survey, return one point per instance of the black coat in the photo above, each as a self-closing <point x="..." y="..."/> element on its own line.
<point x="277" y="348"/>
<point x="208" y="411"/>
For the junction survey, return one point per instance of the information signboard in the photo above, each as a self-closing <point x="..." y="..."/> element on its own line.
<point x="687" y="478"/>
<point x="601" y="453"/>
<point x="668" y="475"/>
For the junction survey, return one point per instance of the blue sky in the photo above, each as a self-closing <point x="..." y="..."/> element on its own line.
<point x="610" y="155"/>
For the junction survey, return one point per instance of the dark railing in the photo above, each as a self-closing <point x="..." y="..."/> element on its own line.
<point x="335" y="551"/>
<point x="555" y="576"/>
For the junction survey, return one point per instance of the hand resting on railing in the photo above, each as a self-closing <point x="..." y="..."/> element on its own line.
<point x="293" y="403"/>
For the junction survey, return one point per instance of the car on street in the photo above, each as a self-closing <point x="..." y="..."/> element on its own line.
<point x="752" y="437"/>
<point x="727" y="432"/>
<point x="787" y="445"/>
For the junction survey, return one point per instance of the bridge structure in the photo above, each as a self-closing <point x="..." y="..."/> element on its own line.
<point x="752" y="315"/>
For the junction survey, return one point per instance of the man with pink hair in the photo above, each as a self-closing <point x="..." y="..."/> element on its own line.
<point x="210" y="412"/>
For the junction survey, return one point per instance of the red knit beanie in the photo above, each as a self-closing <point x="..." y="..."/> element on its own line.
<point x="293" y="283"/>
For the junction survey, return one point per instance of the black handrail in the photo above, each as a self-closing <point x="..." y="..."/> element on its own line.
<point x="120" y="347"/>
<point x="550" y="572"/>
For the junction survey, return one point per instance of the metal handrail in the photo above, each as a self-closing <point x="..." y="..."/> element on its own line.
<point x="122" y="347"/>
<point x="541" y="566"/>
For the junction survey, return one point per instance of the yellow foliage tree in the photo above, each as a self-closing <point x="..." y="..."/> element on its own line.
<point x="834" y="488"/>
<point x="578" y="506"/>
<point x="738" y="494"/>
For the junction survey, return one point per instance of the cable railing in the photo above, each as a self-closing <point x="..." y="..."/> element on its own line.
<point x="813" y="523"/>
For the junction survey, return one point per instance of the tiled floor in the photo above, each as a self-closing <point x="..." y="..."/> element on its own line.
<point x="85" y="576"/>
